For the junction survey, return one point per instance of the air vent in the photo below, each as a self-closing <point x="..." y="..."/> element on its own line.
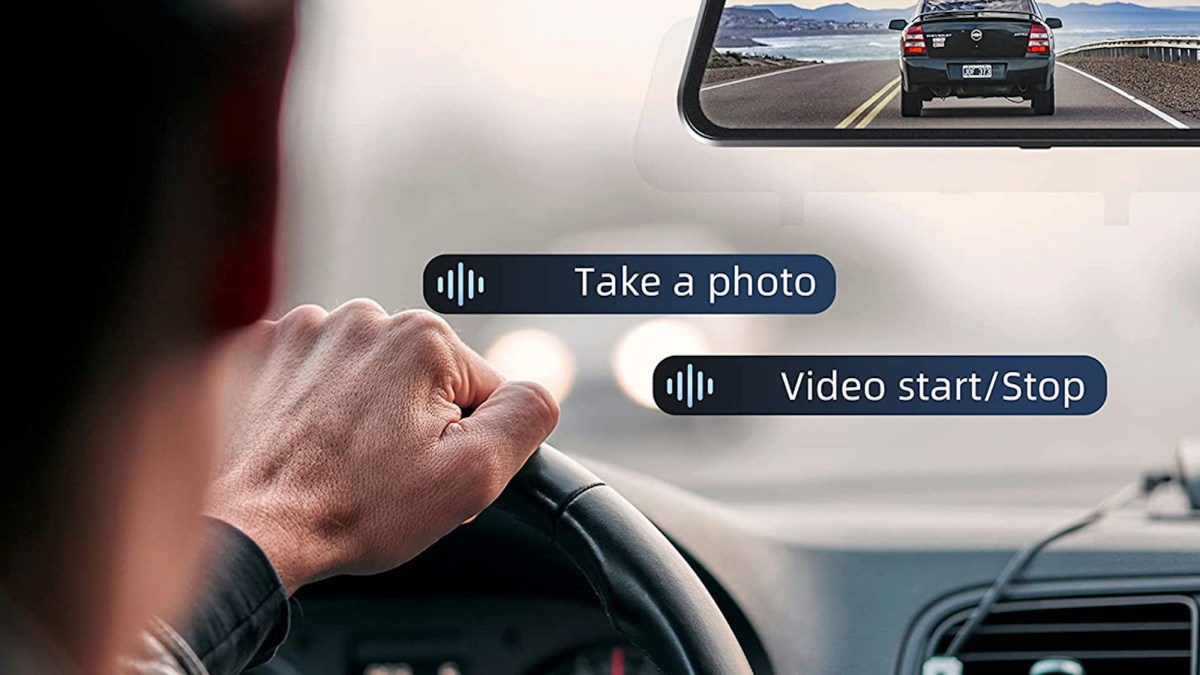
<point x="1107" y="636"/>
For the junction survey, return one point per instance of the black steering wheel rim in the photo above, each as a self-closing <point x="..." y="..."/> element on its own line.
<point x="650" y="594"/>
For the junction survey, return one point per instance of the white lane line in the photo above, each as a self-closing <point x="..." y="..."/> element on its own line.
<point x="1162" y="115"/>
<point x="759" y="77"/>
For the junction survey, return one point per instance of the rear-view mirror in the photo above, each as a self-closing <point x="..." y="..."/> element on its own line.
<point x="966" y="72"/>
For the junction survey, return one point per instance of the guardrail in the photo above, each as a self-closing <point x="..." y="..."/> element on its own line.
<point x="1163" y="48"/>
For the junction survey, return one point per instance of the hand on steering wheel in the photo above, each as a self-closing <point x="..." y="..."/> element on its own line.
<point x="349" y="453"/>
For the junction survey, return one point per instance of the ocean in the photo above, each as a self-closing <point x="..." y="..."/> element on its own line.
<point x="850" y="47"/>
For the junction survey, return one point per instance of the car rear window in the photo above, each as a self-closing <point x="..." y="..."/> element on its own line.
<point x="935" y="6"/>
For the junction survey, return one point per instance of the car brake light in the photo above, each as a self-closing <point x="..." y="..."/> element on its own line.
<point x="1039" y="39"/>
<point x="914" y="40"/>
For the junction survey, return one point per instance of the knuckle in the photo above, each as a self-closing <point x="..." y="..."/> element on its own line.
<point x="423" y="323"/>
<point x="358" y="320"/>
<point x="304" y="319"/>
<point x="427" y="338"/>
<point x="360" y="308"/>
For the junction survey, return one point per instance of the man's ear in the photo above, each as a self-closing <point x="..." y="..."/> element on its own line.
<point x="250" y="85"/>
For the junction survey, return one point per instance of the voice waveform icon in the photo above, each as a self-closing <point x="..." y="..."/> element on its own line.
<point x="690" y="386"/>
<point x="460" y="284"/>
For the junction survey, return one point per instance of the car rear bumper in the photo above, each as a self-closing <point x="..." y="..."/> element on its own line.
<point x="943" y="77"/>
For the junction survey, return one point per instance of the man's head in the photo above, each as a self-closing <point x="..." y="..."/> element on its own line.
<point x="150" y="199"/>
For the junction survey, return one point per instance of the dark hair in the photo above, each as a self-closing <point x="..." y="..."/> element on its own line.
<point x="114" y="90"/>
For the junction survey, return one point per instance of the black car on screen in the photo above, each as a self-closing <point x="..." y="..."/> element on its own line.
<point x="977" y="49"/>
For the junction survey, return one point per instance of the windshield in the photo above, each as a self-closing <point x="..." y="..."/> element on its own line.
<point x="554" y="142"/>
<point x="1003" y="6"/>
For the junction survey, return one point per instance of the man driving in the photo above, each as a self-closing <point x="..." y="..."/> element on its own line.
<point x="181" y="466"/>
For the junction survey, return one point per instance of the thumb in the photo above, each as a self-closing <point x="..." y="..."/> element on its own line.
<point x="504" y="430"/>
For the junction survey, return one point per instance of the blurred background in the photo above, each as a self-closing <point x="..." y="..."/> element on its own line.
<point x="414" y="129"/>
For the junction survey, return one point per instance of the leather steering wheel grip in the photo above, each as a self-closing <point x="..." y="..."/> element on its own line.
<point x="649" y="592"/>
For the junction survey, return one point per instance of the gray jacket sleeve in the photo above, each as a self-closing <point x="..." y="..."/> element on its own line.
<point x="237" y="618"/>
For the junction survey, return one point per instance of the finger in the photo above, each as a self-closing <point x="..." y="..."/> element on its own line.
<point x="504" y="430"/>
<point x="479" y="379"/>
<point x="472" y="379"/>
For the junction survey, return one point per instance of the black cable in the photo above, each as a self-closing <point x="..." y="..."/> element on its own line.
<point x="1020" y="561"/>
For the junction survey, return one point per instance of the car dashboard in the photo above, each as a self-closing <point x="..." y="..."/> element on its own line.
<point x="489" y="598"/>
<point x="810" y="588"/>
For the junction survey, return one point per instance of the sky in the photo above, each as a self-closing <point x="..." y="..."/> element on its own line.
<point x="886" y="4"/>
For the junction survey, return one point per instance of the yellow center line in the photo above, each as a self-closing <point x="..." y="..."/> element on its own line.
<point x="879" y="108"/>
<point x="862" y="108"/>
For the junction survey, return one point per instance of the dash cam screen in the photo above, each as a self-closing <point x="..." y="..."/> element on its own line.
<point x="954" y="64"/>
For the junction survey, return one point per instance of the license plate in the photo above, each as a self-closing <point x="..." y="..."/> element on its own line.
<point x="977" y="72"/>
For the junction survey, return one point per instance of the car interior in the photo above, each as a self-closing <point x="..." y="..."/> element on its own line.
<point x="638" y="542"/>
<point x="868" y="589"/>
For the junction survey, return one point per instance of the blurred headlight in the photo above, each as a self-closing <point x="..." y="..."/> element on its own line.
<point x="640" y="350"/>
<point x="535" y="355"/>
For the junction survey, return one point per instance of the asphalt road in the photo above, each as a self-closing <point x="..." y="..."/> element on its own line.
<point x="865" y="94"/>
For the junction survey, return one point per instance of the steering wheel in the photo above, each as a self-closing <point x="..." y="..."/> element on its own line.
<point x="649" y="592"/>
